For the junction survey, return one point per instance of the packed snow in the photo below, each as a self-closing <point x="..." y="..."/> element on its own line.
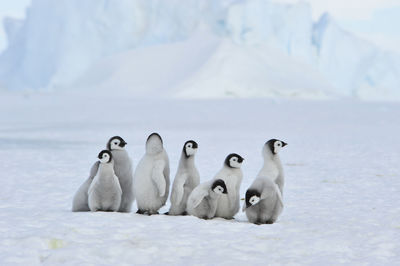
<point x="59" y="43"/>
<point x="341" y="191"/>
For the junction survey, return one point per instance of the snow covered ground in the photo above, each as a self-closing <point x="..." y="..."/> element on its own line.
<point x="341" y="196"/>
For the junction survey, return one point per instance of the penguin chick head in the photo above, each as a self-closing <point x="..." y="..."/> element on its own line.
<point x="116" y="143"/>
<point x="219" y="187"/>
<point x="252" y="197"/>
<point x="154" y="144"/>
<point x="190" y="148"/>
<point x="105" y="156"/>
<point x="234" y="160"/>
<point x="275" y="145"/>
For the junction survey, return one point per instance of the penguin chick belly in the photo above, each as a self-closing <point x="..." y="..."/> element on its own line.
<point x="203" y="210"/>
<point x="253" y="213"/>
<point x="224" y="209"/>
<point x="105" y="194"/>
<point x="147" y="196"/>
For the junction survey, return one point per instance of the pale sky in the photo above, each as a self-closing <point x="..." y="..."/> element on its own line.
<point x="376" y="20"/>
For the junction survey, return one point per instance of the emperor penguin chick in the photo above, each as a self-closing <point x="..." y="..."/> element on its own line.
<point x="186" y="179"/>
<point x="229" y="204"/>
<point x="264" y="197"/>
<point x="124" y="170"/>
<point x="151" y="179"/>
<point x="263" y="201"/>
<point x="202" y="202"/>
<point x="272" y="167"/>
<point x="105" y="192"/>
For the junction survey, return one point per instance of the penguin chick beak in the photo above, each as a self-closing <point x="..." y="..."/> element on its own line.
<point x="225" y="192"/>
<point x="284" y="144"/>
<point x="122" y="144"/>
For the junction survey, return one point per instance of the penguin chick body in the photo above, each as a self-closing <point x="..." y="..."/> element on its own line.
<point x="264" y="197"/>
<point x="263" y="201"/>
<point x="105" y="191"/>
<point x="123" y="170"/>
<point x="202" y="202"/>
<point x="272" y="167"/>
<point x="229" y="204"/>
<point x="151" y="178"/>
<point x="186" y="179"/>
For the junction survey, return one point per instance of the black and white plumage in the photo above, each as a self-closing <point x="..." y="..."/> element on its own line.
<point x="151" y="178"/>
<point x="264" y="197"/>
<point x="229" y="204"/>
<point x="186" y="179"/>
<point x="272" y="167"/>
<point x="203" y="200"/>
<point x="263" y="201"/>
<point x="105" y="192"/>
<point x="123" y="169"/>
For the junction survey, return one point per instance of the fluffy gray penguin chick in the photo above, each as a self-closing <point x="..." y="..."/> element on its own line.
<point x="186" y="179"/>
<point x="151" y="178"/>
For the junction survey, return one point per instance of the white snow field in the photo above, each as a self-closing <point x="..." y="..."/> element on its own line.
<point x="341" y="196"/>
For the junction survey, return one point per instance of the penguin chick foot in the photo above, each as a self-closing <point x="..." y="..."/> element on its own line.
<point x="140" y="211"/>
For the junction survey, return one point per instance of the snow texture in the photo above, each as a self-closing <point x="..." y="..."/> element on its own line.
<point x="341" y="194"/>
<point x="193" y="49"/>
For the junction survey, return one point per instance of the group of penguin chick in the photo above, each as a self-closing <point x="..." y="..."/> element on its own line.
<point x="112" y="187"/>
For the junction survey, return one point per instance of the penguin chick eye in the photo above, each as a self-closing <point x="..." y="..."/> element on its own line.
<point x="189" y="145"/>
<point x="234" y="159"/>
<point x="279" y="144"/>
<point x="116" y="143"/>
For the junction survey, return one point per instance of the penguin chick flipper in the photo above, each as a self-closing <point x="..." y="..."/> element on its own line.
<point x="269" y="191"/>
<point x="94" y="169"/>
<point x="231" y="188"/>
<point x="179" y="190"/>
<point x="199" y="198"/>
<point x="158" y="177"/>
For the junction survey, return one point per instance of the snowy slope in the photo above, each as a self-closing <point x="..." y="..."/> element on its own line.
<point x="267" y="49"/>
<point x="341" y="194"/>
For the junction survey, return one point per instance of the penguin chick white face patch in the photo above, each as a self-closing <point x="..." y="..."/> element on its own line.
<point x="274" y="145"/>
<point x="234" y="162"/>
<point x="254" y="200"/>
<point x="115" y="144"/>
<point x="190" y="150"/>
<point x="219" y="190"/>
<point x="105" y="156"/>
<point x="277" y="146"/>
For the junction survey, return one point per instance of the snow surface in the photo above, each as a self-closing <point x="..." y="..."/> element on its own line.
<point x="341" y="194"/>
<point x="248" y="49"/>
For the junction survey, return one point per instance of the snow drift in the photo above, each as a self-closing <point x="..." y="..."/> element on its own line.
<point x="193" y="49"/>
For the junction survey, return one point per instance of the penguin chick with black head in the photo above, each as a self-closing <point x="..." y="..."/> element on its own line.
<point x="229" y="204"/>
<point x="124" y="170"/>
<point x="264" y="197"/>
<point x="202" y="201"/>
<point x="186" y="179"/>
<point x="151" y="179"/>
<point x="105" y="191"/>
<point x="272" y="167"/>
